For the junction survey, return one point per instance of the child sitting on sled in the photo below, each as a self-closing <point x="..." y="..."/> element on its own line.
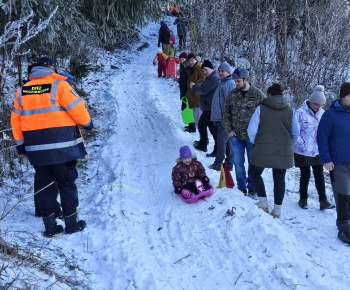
<point x="189" y="174"/>
<point x="161" y="57"/>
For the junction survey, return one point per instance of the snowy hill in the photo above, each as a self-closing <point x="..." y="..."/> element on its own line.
<point x="140" y="235"/>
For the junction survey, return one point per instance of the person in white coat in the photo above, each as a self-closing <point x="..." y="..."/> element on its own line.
<point x="306" y="153"/>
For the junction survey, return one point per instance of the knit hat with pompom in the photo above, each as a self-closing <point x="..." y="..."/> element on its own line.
<point x="318" y="97"/>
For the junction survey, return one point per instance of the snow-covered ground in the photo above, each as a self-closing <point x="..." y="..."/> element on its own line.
<point x="140" y="235"/>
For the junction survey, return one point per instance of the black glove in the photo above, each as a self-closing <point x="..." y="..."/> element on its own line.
<point x="177" y="190"/>
<point x="158" y="45"/>
<point x="89" y="126"/>
<point x="205" y="179"/>
<point x="21" y="149"/>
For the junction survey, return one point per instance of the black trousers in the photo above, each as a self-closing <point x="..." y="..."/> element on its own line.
<point x="65" y="175"/>
<point x="305" y="173"/>
<point x="203" y="124"/>
<point x="183" y="105"/>
<point x="279" y="184"/>
<point x="191" y="187"/>
<point x="182" y="41"/>
<point x="58" y="210"/>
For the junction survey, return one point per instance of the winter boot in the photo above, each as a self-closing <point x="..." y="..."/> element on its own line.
<point x="244" y="191"/>
<point x="199" y="185"/>
<point x="263" y="204"/>
<point x="186" y="193"/>
<point x="303" y="203"/>
<point x="344" y="236"/>
<point x="51" y="227"/>
<point x="325" y="204"/>
<point x="252" y="194"/>
<point x="276" y="212"/>
<point x="200" y="147"/>
<point x="191" y="128"/>
<point x="73" y="225"/>
<point x="198" y="141"/>
<point x="215" y="166"/>
<point x="212" y="154"/>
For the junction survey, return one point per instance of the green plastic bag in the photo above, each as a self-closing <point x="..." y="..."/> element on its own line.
<point x="187" y="113"/>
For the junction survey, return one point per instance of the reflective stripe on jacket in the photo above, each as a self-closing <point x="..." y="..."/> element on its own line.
<point x="45" y="117"/>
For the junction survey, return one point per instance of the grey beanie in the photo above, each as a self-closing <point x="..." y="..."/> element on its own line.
<point x="240" y="73"/>
<point x="226" y="67"/>
<point x="318" y="96"/>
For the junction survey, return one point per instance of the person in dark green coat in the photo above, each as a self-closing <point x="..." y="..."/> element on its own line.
<point x="272" y="129"/>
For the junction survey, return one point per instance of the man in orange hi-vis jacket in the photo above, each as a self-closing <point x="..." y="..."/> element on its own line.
<point x="45" y="119"/>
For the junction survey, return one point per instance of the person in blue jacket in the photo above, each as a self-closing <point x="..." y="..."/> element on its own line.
<point x="333" y="139"/>
<point x="226" y="85"/>
<point x="206" y="92"/>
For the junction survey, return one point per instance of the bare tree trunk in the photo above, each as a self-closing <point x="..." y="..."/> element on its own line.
<point x="5" y="53"/>
<point x="281" y="38"/>
<point x="19" y="67"/>
<point x="19" y="58"/>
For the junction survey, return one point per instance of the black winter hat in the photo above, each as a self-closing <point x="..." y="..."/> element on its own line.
<point x="46" y="61"/>
<point x="207" y="63"/>
<point x="344" y="90"/>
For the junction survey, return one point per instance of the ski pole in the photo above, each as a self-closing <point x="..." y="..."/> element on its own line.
<point x="81" y="134"/>
<point x="1" y="218"/>
<point x="8" y="148"/>
<point x="6" y="130"/>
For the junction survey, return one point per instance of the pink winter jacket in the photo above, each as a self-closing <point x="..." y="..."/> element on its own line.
<point x="183" y="174"/>
<point x="172" y="40"/>
<point x="308" y="122"/>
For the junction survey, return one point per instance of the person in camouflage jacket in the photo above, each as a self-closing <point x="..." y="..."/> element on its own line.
<point x="240" y="105"/>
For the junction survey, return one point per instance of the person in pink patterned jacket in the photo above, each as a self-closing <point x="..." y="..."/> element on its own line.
<point x="172" y="41"/>
<point x="189" y="174"/>
<point x="306" y="153"/>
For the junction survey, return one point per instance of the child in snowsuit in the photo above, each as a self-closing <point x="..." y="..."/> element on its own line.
<point x="161" y="57"/>
<point x="172" y="41"/>
<point x="189" y="174"/>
